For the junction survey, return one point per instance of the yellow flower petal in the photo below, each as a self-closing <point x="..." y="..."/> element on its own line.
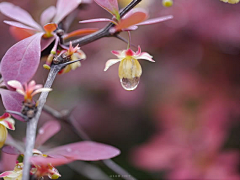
<point x="3" y="135"/>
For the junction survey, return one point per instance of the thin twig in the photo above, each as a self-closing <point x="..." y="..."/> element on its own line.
<point x="71" y="121"/>
<point x="105" y="31"/>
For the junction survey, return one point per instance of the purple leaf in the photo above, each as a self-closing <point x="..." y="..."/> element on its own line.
<point x="109" y="5"/>
<point x="64" y="7"/>
<point x="85" y="151"/>
<point x="11" y="150"/>
<point x="47" y="15"/>
<point x="12" y="101"/>
<point x="155" y="20"/>
<point x="18" y="14"/>
<point x="19" y="25"/>
<point x="41" y="161"/>
<point x="46" y="132"/>
<point x="21" y="61"/>
<point x="97" y="20"/>
<point x="45" y="42"/>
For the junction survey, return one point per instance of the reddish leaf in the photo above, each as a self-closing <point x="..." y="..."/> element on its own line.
<point x="41" y="161"/>
<point x="80" y="32"/>
<point x="46" y="132"/>
<point x="12" y="101"/>
<point x="47" y="15"/>
<point x="17" y="13"/>
<point x="19" y="25"/>
<point x="11" y="150"/>
<point x="45" y="42"/>
<point x="131" y="20"/>
<point x="156" y="20"/>
<point x="64" y="7"/>
<point x="85" y="150"/>
<point x="21" y="61"/>
<point x="20" y="34"/>
<point x="109" y="5"/>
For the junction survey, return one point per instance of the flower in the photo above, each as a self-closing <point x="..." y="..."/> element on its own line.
<point x="5" y="122"/>
<point x="16" y="174"/>
<point x="231" y="1"/>
<point x="129" y="68"/>
<point x="71" y="54"/>
<point x="28" y="91"/>
<point x="130" y="21"/>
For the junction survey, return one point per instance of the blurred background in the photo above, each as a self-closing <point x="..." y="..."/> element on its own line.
<point x="182" y="122"/>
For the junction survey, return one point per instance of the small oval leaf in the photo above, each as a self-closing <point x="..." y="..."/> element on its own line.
<point x="21" y="61"/>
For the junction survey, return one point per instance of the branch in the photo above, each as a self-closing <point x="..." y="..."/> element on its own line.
<point x="71" y="121"/>
<point x="105" y="31"/>
<point x="32" y="124"/>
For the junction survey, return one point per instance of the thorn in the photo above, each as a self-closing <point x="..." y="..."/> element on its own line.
<point x="69" y="62"/>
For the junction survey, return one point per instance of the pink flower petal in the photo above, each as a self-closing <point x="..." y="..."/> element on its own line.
<point x="47" y="15"/>
<point x="21" y="61"/>
<point x="64" y="7"/>
<point x="155" y="20"/>
<point x="41" y="90"/>
<point x="42" y="161"/>
<point x="19" y="25"/>
<point x="97" y="20"/>
<point x="11" y="150"/>
<point x="131" y="20"/>
<point x="139" y="51"/>
<point x="110" y="5"/>
<point x="18" y="14"/>
<point x="111" y="62"/>
<point x="46" y="132"/>
<point x="7" y="173"/>
<point x="145" y="56"/>
<point x="4" y="116"/>
<point x="15" y="84"/>
<point x="8" y="123"/>
<point x="12" y="101"/>
<point x="85" y="150"/>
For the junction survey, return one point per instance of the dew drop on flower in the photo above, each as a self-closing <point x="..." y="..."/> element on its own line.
<point x="130" y="84"/>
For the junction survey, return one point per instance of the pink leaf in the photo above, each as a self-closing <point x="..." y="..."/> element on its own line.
<point x="19" y="25"/>
<point x="97" y="20"/>
<point x="45" y="42"/>
<point x="41" y="161"/>
<point x="47" y="15"/>
<point x="85" y="150"/>
<point x="131" y="20"/>
<point x="18" y="14"/>
<point x="46" y="132"/>
<point x="64" y="7"/>
<point x="11" y="150"/>
<point x="156" y="20"/>
<point x="21" y="61"/>
<point x="109" y="5"/>
<point x="12" y="101"/>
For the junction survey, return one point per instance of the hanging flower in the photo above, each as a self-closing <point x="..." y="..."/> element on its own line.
<point x="129" y="69"/>
<point x="29" y="90"/>
<point x="231" y="1"/>
<point x="5" y="122"/>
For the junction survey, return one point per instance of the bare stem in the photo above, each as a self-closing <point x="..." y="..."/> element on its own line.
<point x="71" y="121"/>
<point x="32" y="124"/>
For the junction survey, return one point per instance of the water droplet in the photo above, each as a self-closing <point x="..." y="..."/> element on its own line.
<point x="41" y="131"/>
<point x="69" y="149"/>
<point x="130" y="84"/>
